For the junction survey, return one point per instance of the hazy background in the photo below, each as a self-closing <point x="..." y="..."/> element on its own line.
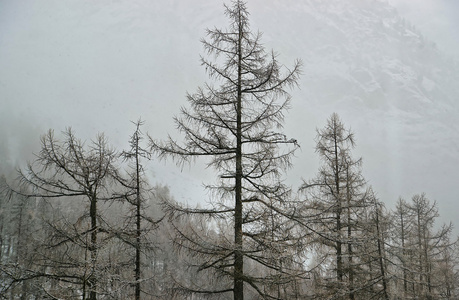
<point x="438" y="20"/>
<point x="97" y="65"/>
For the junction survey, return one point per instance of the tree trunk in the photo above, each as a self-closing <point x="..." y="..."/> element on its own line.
<point x="405" y="279"/>
<point x="238" y="255"/>
<point x="349" y="250"/>
<point x="92" y="281"/>
<point x="138" y="224"/>
<point x="339" y="254"/>
<point x="349" y="238"/>
<point x="380" y="256"/>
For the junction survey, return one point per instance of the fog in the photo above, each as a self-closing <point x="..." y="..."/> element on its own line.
<point x="437" y="20"/>
<point x="97" y="65"/>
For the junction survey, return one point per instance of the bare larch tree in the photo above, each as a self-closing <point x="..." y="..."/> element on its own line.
<point x="235" y="124"/>
<point x="70" y="170"/>
<point x="138" y="193"/>
<point x="335" y="201"/>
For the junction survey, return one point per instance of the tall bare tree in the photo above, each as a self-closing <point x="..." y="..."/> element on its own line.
<point x="335" y="201"/>
<point x="139" y="223"/>
<point x="422" y="256"/>
<point x="428" y="245"/>
<point x="234" y="124"/>
<point x="78" y="174"/>
<point x="400" y="250"/>
<point x="373" y="251"/>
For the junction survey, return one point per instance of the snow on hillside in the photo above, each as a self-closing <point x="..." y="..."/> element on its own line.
<point x="389" y="83"/>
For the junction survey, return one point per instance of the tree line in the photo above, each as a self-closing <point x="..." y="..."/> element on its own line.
<point x="83" y="222"/>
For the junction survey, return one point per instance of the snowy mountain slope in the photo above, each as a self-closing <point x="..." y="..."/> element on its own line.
<point x="391" y="85"/>
<point x="97" y="65"/>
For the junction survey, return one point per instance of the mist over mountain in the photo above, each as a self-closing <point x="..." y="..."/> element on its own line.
<point x="95" y="66"/>
<point x="393" y="87"/>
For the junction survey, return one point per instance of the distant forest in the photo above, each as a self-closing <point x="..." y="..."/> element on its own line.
<point x="82" y="220"/>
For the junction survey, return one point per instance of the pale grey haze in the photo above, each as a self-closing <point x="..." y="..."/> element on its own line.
<point x="436" y="19"/>
<point x="388" y="68"/>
